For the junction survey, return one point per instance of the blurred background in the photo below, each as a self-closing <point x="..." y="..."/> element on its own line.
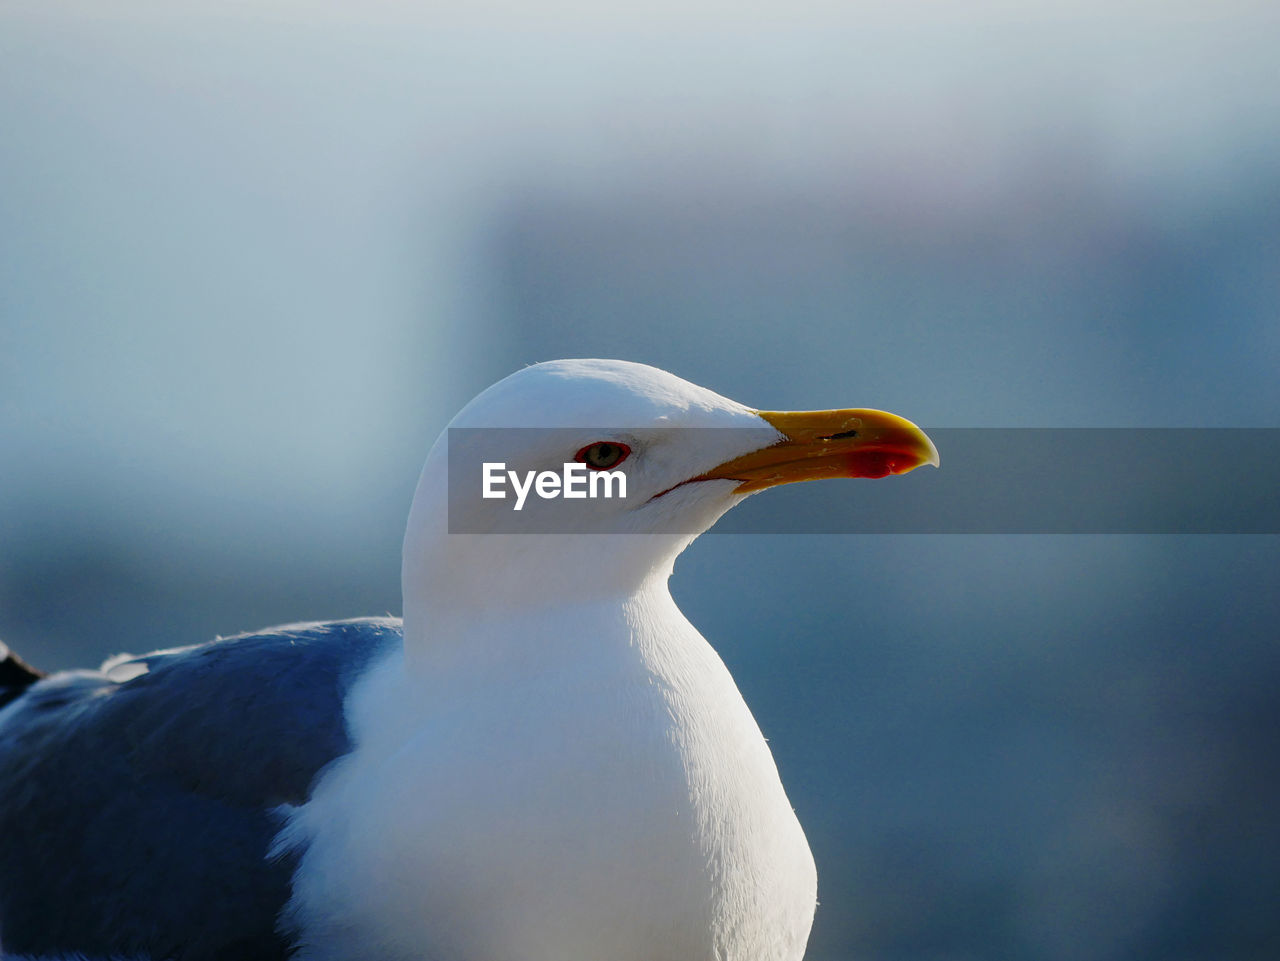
<point x="253" y="256"/>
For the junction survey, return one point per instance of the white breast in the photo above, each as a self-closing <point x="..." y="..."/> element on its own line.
<point x="591" y="789"/>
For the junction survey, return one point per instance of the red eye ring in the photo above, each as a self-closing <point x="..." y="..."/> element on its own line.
<point x="603" y="454"/>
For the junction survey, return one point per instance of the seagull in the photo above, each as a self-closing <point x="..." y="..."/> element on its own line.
<point x="543" y="760"/>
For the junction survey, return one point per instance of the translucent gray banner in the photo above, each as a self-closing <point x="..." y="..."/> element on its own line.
<point x="992" y="481"/>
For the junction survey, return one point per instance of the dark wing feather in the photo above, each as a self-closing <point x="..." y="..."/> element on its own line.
<point x="16" y="675"/>
<point x="135" y="817"/>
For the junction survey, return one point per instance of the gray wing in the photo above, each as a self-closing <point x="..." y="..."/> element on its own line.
<point x="136" y="816"/>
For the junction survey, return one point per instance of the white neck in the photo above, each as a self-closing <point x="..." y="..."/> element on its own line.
<point x="452" y="583"/>
<point x="580" y="783"/>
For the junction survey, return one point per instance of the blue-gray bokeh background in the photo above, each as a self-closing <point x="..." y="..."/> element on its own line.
<point x="253" y="257"/>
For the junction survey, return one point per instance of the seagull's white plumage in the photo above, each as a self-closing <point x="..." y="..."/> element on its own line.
<point x="560" y="767"/>
<point x="556" y="766"/>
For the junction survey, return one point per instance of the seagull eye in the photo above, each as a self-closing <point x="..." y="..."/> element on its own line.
<point x="602" y="455"/>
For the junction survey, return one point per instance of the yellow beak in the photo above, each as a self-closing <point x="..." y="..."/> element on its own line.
<point x="819" y="444"/>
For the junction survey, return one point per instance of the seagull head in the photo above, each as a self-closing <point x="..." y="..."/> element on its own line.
<point x="520" y="501"/>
